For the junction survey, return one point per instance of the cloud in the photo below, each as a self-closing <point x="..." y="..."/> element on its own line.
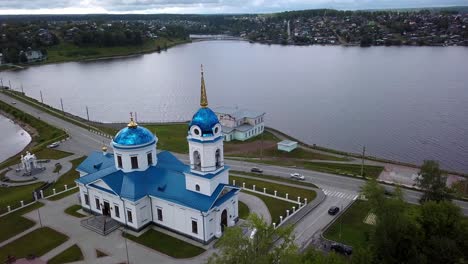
<point x="202" y="6"/>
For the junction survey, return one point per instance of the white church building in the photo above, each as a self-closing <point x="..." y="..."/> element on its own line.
<point x="137" y="186"/>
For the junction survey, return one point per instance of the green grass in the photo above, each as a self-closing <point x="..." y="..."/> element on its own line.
<point x="274" y="178"/>
<point x="57" y="168"/>
<point x="267" y="136"/>
<point x="276" y="207"/>
<point x="300" y="153"/>
<point x="55" y="154"/>
<point x="37" y="243"/>
<point x="70" y="52"/>
<point x="244" y="210"/>
<point x="166" y="244"/>
<point x="293" y="192"/>
<point x="70" y="254"/>
<point x="13" y="223"/>
<point x="172" y="137"/>
<point x="46" y="108"/>
<point x="72" y="210"/>
<point x="13" y="195"/>
<point x="353" y="170"/>
<point x="354" y="231"/>
<point x="67" y="178"/>
<point x="350" y="169"/>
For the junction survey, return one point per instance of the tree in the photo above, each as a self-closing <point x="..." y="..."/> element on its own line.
<point x="445" y="232"/>
<point x="433" y="182"/>
<point x="397" y="236"/>
<point x="312" y="256"/>
<point x="268" y="245"/>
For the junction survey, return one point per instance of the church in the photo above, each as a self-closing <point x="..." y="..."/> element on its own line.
<point x="138" y="186"/>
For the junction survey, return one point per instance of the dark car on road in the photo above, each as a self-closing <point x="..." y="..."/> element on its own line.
<point x="333" y="210"/>
<point x="256" y="170"/>
<point x="342" y="249"/>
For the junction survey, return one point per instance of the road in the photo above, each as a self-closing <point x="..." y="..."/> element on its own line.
<point x="340" y="190"/>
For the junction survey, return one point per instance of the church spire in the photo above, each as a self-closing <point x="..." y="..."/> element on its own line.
<point x="132" y="123"/>
<point x="203" y="98"/>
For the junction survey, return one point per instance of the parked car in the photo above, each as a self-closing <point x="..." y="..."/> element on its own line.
<point x="256" y="170"/>
<point x="342" y="249"/>
<point x="297" y="176"/>
<point x="53" y="145"/>
<point x="333" y="210"/>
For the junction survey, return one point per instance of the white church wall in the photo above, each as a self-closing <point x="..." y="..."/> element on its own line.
<point x="177" y="217"/>
<point x="207" y="154"/>
<point x="141" y="155"/>
<point x="191" y="181"/>
<point x="142" y="212"/>
<point x="223" y="177"/>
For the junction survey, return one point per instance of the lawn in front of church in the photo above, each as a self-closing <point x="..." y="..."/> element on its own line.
<point x="14" y="223"/>
<point x="37" y="243"/>
<point x="70" y="254"/>
<point x="166" y="244"/>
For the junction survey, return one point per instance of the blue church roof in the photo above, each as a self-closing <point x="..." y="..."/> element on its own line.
<point x="166" y="180"/>
<point x="133" y="136"/>
<point x="96" y="161"/>
<point x="206" y="119"/>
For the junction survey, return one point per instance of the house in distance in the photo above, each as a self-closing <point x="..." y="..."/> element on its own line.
<point x="240" y="124"/>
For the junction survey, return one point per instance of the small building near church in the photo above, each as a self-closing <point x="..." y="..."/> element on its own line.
<point x="287" y="145"/>
<point x="240" y="124"/>
<point x="138" y="186"/>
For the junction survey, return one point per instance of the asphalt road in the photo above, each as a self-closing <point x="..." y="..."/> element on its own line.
<point x="83" y="141"/>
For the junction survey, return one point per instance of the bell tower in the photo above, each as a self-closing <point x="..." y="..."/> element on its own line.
<point x="205" y="138"/>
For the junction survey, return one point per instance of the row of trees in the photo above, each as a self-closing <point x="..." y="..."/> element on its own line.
<point x="434" y="232"/>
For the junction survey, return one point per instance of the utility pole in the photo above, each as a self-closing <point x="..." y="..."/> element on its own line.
<point x="22" y="88"/>
<point x="61" y="103"/>
<point x="87" y="115"/>
<point x="362" y="165"/>
<point x="261" y="148"/>
<point x="341" y="219"/>
<point x="42" y="101"/>
<point x="39" y="215"/>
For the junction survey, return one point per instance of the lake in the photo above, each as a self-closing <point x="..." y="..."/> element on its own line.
<point x="13" y="139"/>
<point x="402" y="103"/>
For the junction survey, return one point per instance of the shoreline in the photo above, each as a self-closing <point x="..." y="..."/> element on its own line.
<point x="100" y="125"/>
<point x="27" y="128"/>
<point x="18" y="67"/>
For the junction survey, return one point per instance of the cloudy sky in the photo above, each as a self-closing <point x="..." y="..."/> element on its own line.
<point x="202" y="6"/>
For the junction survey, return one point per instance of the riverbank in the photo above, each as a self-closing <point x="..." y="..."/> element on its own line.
<point x="41" y="133"/>
<point x="66" y="52"/>
<point x="176" y="142"/>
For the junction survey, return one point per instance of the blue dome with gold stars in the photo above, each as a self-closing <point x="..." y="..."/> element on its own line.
<point x="205" y="119"/>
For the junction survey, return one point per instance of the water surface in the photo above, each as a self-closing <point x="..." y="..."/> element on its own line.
<point x="402" y="103"/>
<point x="13" y="138"/>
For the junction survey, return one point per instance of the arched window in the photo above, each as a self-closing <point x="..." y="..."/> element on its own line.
<point x="197" y="187"/>
<point x="218" y="158"/>
<point x="196" y="160"/>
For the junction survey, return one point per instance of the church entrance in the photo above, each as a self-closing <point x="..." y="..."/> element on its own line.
<point x="106" y="209"/>
<point x="223" y="220"/>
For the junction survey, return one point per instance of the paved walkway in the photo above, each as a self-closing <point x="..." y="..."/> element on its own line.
<point x="52" y="215"/>
<point x="256" y="205"/>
